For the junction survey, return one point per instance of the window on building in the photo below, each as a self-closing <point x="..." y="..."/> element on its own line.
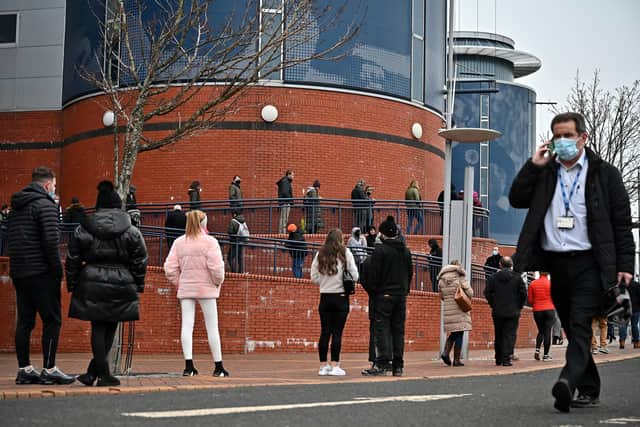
<point x="8" y="29"/>
<point x="112" y="35"/>
<point x="484" y="152"/>
<point x="271" y="12"/>
<point x="417" y="50"/>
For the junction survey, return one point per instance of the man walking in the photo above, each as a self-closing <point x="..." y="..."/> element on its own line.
<point x="285" y="199"/>
<point x="578" y="228"/>
<point x="388" y="276"/>
<point x="506" y="293"/>
<point x="235" y="195"/>
<point x="36" y="271"/>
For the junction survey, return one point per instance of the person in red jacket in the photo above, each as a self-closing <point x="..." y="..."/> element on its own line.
<point x="543" y="313"/>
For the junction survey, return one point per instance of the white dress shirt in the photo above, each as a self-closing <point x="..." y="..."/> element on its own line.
<point x="576" y="239"/>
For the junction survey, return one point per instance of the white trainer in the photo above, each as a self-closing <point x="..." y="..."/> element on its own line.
<point x="324" y="370"/>
<point x="337" y="371"/>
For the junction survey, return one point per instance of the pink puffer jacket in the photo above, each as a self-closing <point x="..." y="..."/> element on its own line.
<point x="195" y="266"/>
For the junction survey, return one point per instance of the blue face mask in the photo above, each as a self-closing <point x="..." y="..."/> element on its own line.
<point x="566" y="148"/>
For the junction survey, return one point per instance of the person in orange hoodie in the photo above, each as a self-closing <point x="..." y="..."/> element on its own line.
<point x="543" y="313"/>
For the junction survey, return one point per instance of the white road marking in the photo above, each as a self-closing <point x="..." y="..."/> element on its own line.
<point x="624" y="421"/>
<point x="246" y="409"/>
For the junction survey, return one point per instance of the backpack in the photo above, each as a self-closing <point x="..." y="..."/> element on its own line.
<point x="243" y="229"/>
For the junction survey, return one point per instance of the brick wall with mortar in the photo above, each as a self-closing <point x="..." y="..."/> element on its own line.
<point x="260" y="314"/>
<point x="259" y="156"/>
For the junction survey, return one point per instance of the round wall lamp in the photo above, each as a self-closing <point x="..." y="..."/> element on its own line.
<point x="269" y="113"/>
<point x="108" y="118"/>
<point x="416" y="130"/>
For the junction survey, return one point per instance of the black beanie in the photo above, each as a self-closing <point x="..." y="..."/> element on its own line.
<point x="388" y="227"/>
<point x="107" y="196"/>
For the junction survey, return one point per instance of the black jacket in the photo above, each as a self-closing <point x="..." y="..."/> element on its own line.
<point x="388" y="270"/>
<point x="194" y="198"/>
<point x="106" y="265"/>
<point x="74" y="214"/>
<point x="178" y="220"/>
<point x="34" y="234"/>
<point x="284" y="190"/>
<point x="296" y="245"/>
<point x="506" y="293"/>
<point x="358" y="193"/>
<point x="608" y="216"/>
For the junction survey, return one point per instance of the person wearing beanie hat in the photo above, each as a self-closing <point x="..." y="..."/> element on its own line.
<point x="387" y="275"/>
<point x="106" y="266"/>
<point x="297" y="249"/>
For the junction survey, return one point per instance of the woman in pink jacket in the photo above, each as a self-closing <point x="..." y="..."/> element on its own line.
<point x="196" y="267"/>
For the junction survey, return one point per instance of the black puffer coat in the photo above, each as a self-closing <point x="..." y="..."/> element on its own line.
<point x="34" y="234"/>
<point x="608" y="216"/>
<point x="106" y="265"/>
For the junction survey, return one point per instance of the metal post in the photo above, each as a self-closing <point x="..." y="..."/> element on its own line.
<point x="467" y="238"/>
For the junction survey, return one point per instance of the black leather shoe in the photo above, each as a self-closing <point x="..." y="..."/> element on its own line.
<point x="25" y="377"/>
<point x="562" y="392"/>
<point x="90" y="376"/>
<point x="108" y="381"/>
<point x="397" y="372"/>
<point x="585" y="401"/>
<point x="375" y="370"/>
<point x="56" y="376"/>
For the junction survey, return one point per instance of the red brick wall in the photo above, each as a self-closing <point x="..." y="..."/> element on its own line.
<point x="16" y="166"/>
<point x="260" y="313"/>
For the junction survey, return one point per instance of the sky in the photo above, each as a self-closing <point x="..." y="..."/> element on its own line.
<point x="567" y="36"/>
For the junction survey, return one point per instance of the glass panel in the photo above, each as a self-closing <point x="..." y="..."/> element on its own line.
<point x="484" y="106"/>
<point x="418" y="17"/>
<point x="272" y="4"/>
<point x="484" y="181"/>
<point x="271" y="57"/>
<point x="484" y="155"/>
<point x="8" y="24"/>
<point x="417" y="71"/>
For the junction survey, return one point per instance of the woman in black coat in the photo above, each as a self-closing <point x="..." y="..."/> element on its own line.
<point x="106" y="265"/>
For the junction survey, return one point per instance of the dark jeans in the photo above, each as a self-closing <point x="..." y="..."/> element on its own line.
<point x="505" y="329"/>
<point x="333" y="309"/>
<point x="635" y="327"/>
<point x="236" y="260"/>
<point x="415" y="214"/>
<point x="37" y="294"/>
<point x="297" y="263"/>
<point x="389" y="317"/>
<point x="577" y="294"/>
<point x="544" y="320"/>
<point x="102" y="334"/>
<point x="372" y="332"/>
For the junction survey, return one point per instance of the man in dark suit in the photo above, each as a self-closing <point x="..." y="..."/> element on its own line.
<point x="578" y="228"/>
<point x="175" y="224"/>
<point x="506" y="293"/>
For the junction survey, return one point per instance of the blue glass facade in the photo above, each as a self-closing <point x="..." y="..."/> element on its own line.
<point x="512" y="112"/>
<point x="378" y="59"/>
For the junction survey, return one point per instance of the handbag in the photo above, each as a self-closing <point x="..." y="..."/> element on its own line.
<point x="462" y="299"/>
<point x="348" y="283"/>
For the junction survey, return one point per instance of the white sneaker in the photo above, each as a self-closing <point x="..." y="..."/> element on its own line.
<point x="337" y="371"/>
<point x="325" y="370"/>
<point x="604" y="350"/>
<point x="547" y="358"/>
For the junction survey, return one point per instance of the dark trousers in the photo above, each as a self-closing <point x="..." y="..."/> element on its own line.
<point x="333" y="309"/>
<point x="37" y="294"/>
<point x="505" y="329"/>
<point x="456" y="337"/>
<point x="297" y="264"/>
<point x="236" y="260"/>
<point x="389" y="317"/>
<point x="544" y="320"/>
<point x="372" y="332"/>
<point x="576" y="292"/>
<point x="102" y="334"/>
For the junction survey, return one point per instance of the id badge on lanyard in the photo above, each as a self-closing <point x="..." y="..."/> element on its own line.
<point x="567" y="221"/>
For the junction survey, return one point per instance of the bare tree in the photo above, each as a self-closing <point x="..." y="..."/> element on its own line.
<point x="159" y="55"/>
<point x="613" y="124"/>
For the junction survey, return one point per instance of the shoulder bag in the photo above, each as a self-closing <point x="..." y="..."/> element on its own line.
<point x="462" y="299"/>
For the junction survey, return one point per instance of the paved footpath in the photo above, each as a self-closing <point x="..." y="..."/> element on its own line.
<point x="161" y="372"/>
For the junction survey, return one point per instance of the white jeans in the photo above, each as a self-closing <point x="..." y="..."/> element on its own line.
<point x="210" y="311"/>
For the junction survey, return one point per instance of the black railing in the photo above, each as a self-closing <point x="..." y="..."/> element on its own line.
<point x="320" y="215"/>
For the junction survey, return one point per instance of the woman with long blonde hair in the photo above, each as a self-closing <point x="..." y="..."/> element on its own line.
<point x="327" y="271"/>
<point x="196" y="267"/>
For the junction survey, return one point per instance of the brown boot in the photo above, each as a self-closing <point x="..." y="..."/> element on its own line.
<point x="636" y="344"/>
<point x="621" y="343"/>
<point x="456" y="356"/>
<point x="447" y="350"/>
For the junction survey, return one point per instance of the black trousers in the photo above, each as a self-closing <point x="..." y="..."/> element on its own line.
<point x="372" y="332"/>
<point x="333" y="309"/>
<point x="236" y="257"/>
<point x="102" y="334"/>
<point x="37" y="294"/>
<point x="390" y="312"/>
<point x="505" y="329"/>
<point x="577" y="294"/>
<point x="544" y="320"/>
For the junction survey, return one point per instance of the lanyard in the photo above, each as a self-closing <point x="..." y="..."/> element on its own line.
<point x="566" y="200"/>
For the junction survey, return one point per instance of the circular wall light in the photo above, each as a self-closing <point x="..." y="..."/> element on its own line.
<point x="416" y="130"/>
<point x="269" y="113"/>
<point x="108" y="118"/>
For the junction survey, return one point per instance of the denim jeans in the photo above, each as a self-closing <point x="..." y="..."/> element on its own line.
<point x="635" y="327"/>
<point x="415" y="214"/>
<point x="298" y="262"/>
